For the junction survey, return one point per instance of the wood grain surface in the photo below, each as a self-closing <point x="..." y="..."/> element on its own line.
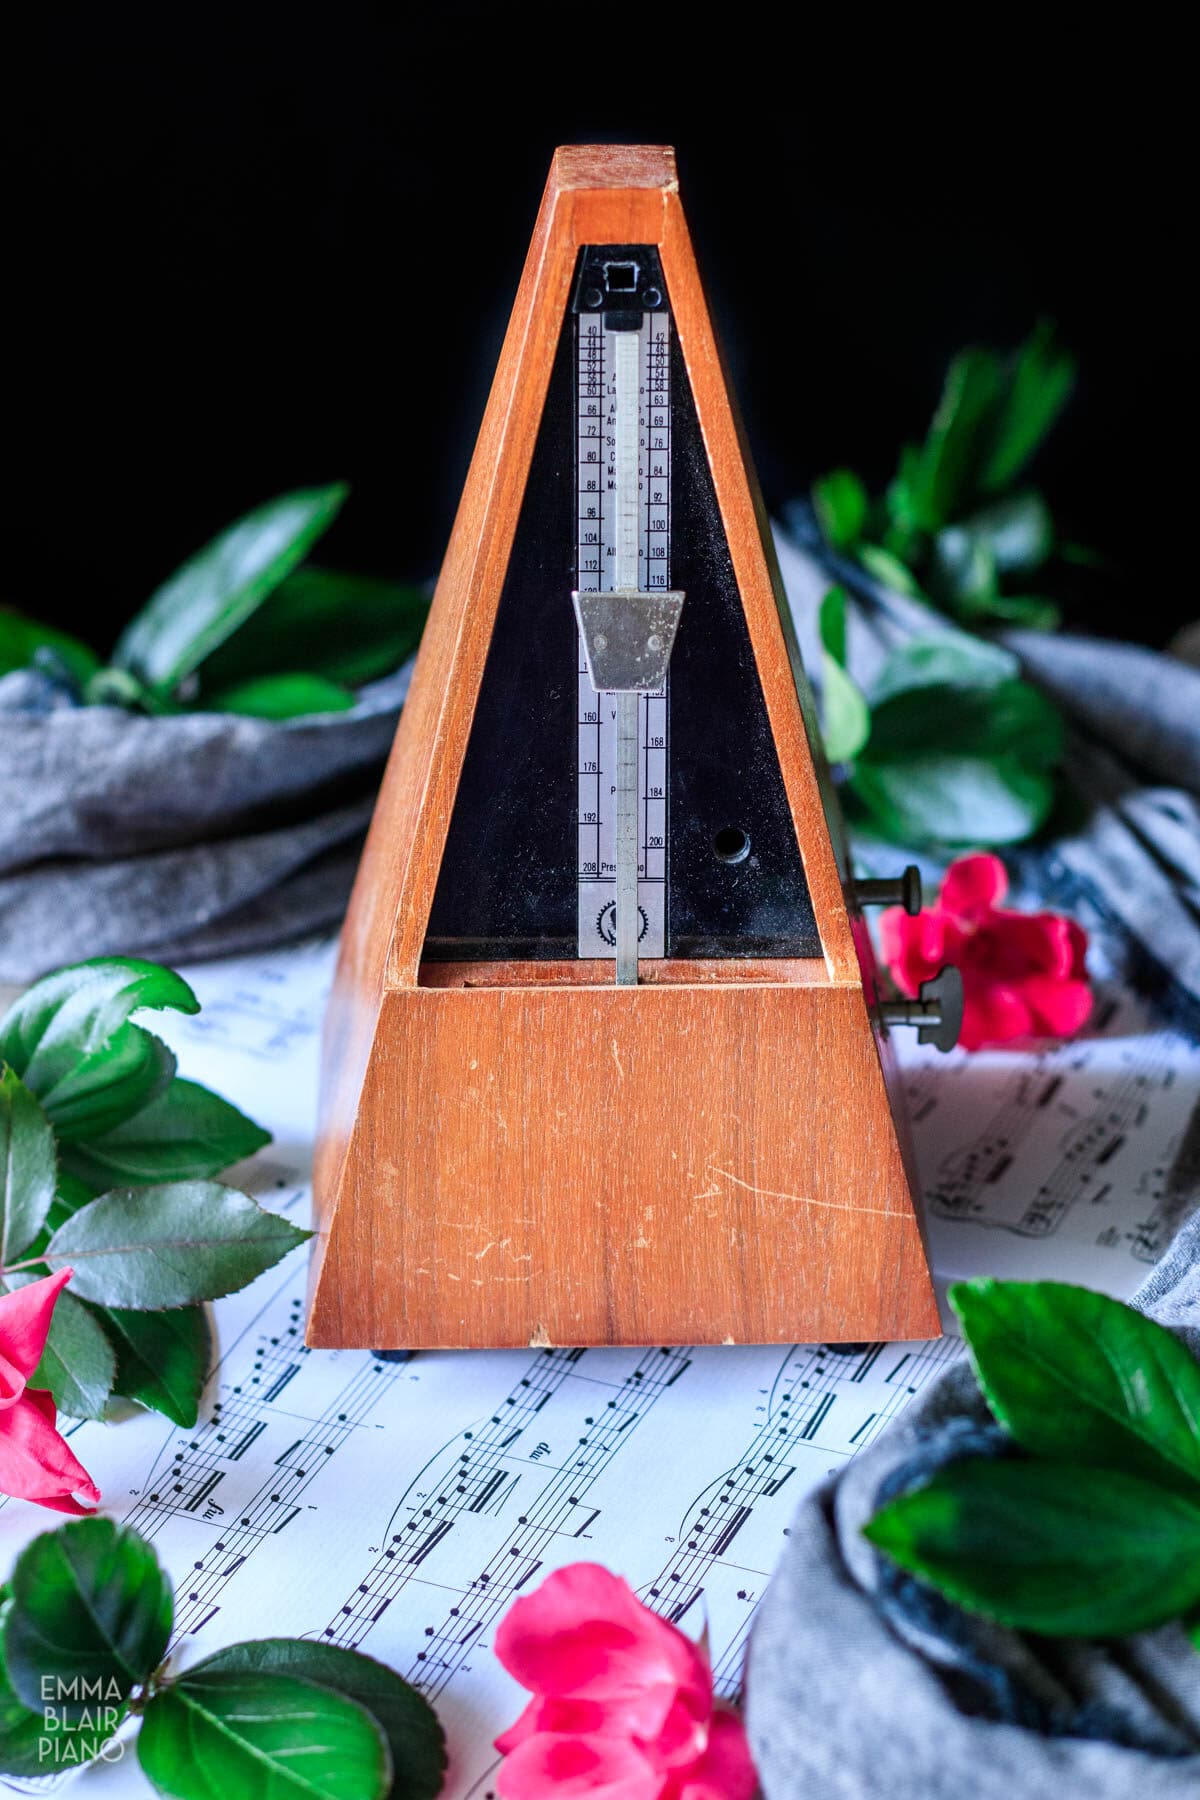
<point x="471" y="1114"/>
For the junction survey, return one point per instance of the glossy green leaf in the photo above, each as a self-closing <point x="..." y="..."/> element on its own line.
<point x="1031" y="612"/>
<point x="24" y="642"/>
<point x="68" y="1039"/>
<point x="1058" y="1548"/>
<point x="146" y="1248"/>
<point x="1011" y="718"/>
<point x="186" y="1132"/>
<point x="27" y="1167"/>
<point x="1035" y="393"/>
<point x="845" y="720"/>
<point x="349" y="628"/>
<point x="1075" y="1376"/>
<point x="206" y="600"/>
<point x="287" y="696"/>
<point x="78" y="1363"/>
<point x="163" y="1358"/>
<point x="272" y="1736"/>
<point x="106" y="1089"/>
<point x="840" y="503"/>
<point x="888" y="569"/>
<point x="958" y="802"/>
<point x="91" y="1605"/>
<point x="415" y="1737"/>
<point x="952" y="659"/>
<point x="957" y="441"/>
<point x="963" y="577"/>
<point x="40" y="1742"/>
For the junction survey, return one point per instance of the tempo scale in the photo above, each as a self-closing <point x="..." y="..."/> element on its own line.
<point x="605" y="1061"/>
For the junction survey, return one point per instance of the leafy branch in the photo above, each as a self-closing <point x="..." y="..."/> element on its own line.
<point x="245" y="626"/>
<point x="84" y="1628"/>
<point x="107" y="1165"/>
<point x="1092" y="1526"/>
<point x="955" y="526"/>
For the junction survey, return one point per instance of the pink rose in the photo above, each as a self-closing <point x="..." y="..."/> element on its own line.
<point x="36" y="1462"/>
<point x="622" y="1702"/>
<point x="1023" y="973"/>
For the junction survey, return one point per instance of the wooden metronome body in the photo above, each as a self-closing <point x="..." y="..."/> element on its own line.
<point x="516" y="1148"/>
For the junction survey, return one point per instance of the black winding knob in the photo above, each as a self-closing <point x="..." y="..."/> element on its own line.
<point x="937" y="1013"/>
<point x="898" y="890"/>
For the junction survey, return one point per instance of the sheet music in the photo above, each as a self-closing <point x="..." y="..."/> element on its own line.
<point x="398" y="1505"/>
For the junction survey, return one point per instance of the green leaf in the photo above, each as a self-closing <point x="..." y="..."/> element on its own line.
<point x="840" y="502"/>
<point x="146" y="1248"/>
<point x="951" y="659"/>
<point x="963" y="577"/>
<point x="27" y="1167"/>
<point x="1057" y="1548"/>
<point x="415" y="1737"/>
<point x="1017" y="530"/>
<point x="24" y="642"/>
<point x="956" y="443"/>
<point x="68" y="1039"/>
<point x="90" y="1605"/>
<point x="78" y="1363"/>
<point x="888" y="569"/>
<point x="206" y="600"/>
<point x="272" y="1736"/>
<point x="1075" y="1376"/>
<point x="1192" y="1627"/>
<point x="1034" y="396"/>
<point x="40" y="1742"/>
<point x="108" y="1088"/>
<point x="1012" y="717"/>
<point x="958" y="802"/>
<point x="349" y="628"/>
<point x="163" y="1358"/>
<point x="1032" y="612"/>
<point x="186" y="1132"/>
<point x="281" y="697"/>
<point x="845" y="721"/>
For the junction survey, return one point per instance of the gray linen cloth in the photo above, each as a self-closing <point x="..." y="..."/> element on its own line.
<point x="864" y="1685"/>
<point x="176" y="838"/>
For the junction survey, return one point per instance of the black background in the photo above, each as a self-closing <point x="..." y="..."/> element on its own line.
<point x="256" y="249"/>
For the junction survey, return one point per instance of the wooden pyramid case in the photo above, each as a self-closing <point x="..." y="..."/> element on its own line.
<point x="516" y="1148"/>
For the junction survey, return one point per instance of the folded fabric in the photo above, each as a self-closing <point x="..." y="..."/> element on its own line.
<point x="200" y="834"/>
<point x="863" y="1684"/>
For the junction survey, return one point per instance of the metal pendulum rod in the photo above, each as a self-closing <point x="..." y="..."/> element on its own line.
<point x="627" y="348"/>
<point x="628" y="917"/>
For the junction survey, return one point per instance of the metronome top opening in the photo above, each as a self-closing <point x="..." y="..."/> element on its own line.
<point x="680" y="775"/>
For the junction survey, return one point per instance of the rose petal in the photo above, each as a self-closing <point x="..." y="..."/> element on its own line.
<point x="24" y="1322"/>
<point x="36" y="1462"/>
<point x="972" y="887"/>
<point x="584" y="1632"/>
<point x="1057" y="1008"/>
<point x="547" y="1766"/>
<point x="648" y="1715"/>
<point x="725" y="1771"/>
<point x="992" y="1014"/>
<point x="914" y="949"/>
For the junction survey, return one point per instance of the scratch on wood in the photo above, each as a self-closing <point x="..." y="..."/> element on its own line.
<point x="540" y="1339"/>
<point x="759" y="1193"/>
<point x="617" y="1060"/>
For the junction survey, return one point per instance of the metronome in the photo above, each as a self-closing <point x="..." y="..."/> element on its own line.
<point x="604" y="1061"/>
